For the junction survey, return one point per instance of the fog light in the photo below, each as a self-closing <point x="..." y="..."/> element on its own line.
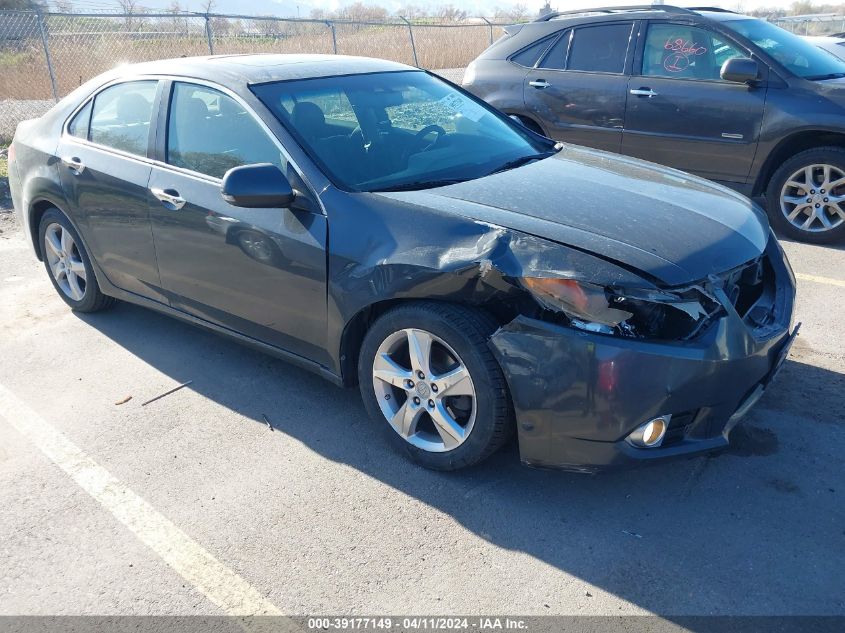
<point x="650" y="434"/>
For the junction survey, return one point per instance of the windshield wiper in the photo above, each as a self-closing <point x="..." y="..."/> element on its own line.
<point x="421" y="184"/>
<point x="522" y="160"/>
<point x="823" y="77"/>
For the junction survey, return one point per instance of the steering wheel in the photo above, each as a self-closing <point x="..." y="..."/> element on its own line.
<point x="418" y="144"/>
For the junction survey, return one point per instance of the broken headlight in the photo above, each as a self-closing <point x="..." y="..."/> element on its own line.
<point x="638" y="313"/>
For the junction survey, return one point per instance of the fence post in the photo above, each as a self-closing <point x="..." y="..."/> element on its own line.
<point x="411" y="35"/>
<point x="208" y="35"/>
<point x="47" y="54"/>
<point x="490" y="24"/>
<point x="334" y="36"/>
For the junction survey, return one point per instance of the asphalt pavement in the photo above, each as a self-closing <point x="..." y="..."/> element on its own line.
<point x="193" y="504"/>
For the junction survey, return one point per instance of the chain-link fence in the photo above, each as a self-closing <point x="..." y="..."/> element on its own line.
<point x="812" y="25"/>
<point x="43" y="56"/>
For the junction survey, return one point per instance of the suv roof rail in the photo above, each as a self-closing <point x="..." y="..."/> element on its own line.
<point x="668" y="8"/>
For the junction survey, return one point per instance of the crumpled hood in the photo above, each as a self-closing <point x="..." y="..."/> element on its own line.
<point x="667" y="224"/>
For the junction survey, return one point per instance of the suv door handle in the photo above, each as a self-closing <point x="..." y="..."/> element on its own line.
<point x="539" y="83"/>
<point x="170" y="198"/>
<point x="74" y="164"/>
<point x="643" y="92"/>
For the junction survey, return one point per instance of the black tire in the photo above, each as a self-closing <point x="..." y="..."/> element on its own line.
<point x="466" y="331"/>
<point x="92" y="299"/>
<point x="834" y="156"/>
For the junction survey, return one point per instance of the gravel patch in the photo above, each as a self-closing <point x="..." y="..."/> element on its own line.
<point x="455" y="75"/>
<point x="13" y="111"/>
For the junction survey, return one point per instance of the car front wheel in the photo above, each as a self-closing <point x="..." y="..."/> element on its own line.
<point x="427" y="376"/>
<point x="806" y="196"/>
<point x="68" y="264"/>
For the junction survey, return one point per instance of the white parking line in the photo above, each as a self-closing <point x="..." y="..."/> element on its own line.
<point x="189" y="559"/>
<point x="820" y="280"/>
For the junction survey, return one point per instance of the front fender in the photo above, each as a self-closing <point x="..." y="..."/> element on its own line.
<point x="386" y="250"/>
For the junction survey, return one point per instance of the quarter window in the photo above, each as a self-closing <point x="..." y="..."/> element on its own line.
<point x="600" y="49"/>
<point x="80" y="123"/>
<point x="210" y="133"/>
<point x="121" y="116"/>
<point x="685" y="52"/>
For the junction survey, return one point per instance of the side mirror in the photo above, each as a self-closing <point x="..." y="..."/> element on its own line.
<point x="260" y="186"/>
<point x="740" y="69"/>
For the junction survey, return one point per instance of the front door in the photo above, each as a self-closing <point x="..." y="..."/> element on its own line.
<point x="578" y="90"/>
<point x="682" y="114"/>
<point x="104" y="173"/>
<point x="260" y="272"/>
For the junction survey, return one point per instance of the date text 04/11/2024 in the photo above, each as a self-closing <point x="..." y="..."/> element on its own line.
<point x="417" y="623"/>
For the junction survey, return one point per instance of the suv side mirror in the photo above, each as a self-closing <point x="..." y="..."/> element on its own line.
<point x="259" y="186"/>
<point x="740" y="69"/>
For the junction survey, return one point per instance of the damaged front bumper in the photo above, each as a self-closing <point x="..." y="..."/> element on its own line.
<point x="577" y="395"/>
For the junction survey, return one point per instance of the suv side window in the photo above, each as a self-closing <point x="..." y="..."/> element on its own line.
<point x="121" y="116"/>
<point x="556" y="57"/>
<point x="600" y="49"/>
<point x="209" y="132"/>
<point x="685" y="52"/>
<point x="528" y="56"/>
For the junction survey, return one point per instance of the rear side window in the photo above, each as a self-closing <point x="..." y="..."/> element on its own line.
<point x="600" y="49"/>
<point x="210" y="133"/>
<point x="79" y="124"/>
<point x="528" y="56"/>
<point x="121" y="116"/>
<point x="556" y="58"/>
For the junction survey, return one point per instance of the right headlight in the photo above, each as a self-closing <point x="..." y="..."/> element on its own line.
<point x="639" y="313"/>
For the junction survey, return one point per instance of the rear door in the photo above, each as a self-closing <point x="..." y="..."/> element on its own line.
<point x="260" y="272"/>
<point x="578" y="89"/>
<point x="682" y="114"/>
<point x="105" y="170"/>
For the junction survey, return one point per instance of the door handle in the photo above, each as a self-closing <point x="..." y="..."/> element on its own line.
<point x="170" y="198"/>
<point x="539" y="83"/>
<point x="74" y="164"/>
<point x="643" y="92"/>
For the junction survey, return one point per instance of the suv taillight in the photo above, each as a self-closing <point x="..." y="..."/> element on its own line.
<point x="11" y="155"/>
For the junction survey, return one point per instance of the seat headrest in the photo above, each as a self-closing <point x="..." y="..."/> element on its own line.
<point x="308" y="119"/>
<point x="133" y="108"/>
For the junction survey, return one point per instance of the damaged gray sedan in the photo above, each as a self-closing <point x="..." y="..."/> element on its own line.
<point x="374" y="224"/>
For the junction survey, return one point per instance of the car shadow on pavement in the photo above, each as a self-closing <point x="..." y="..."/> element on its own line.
<point x="757" y="529"/>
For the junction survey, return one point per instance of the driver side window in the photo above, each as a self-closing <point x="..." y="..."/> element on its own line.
<point x="685" y="52"/>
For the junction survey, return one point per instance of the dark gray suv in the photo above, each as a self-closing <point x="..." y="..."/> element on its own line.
<point x="731" y="98"/>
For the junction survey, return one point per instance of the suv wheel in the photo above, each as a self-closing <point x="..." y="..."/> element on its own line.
<point x="427" y="376"/>
<point x="68" y="264"/>
<point x="806" y="196"/>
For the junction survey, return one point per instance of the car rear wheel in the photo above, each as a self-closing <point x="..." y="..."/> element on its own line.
<point x="428" y="378"/>
<point x="806" y="196"/>
<point x="68" y="264"/>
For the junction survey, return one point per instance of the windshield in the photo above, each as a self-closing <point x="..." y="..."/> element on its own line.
<point x="398" y="130"/>
<point x="796" y="54"/>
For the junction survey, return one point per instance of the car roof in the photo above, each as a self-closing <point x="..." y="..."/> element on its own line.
<point x="260" y="68"/>
<point x="642" y="12"/>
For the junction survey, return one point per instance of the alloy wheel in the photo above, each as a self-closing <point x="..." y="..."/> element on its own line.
<point x="813" y="198"/>
<point x="65" y="261"/>
<point x="424" y="390"/>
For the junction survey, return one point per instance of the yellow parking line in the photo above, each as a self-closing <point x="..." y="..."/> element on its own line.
<point x="189" y="559"/>
<point x="820" y="280"/>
